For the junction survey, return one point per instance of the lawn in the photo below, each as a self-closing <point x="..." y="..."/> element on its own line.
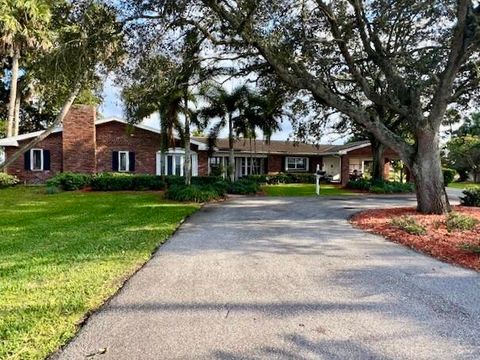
<point x="62" y="255"/>
<point x="463" y="185"/>
<point x="305" y="190"/>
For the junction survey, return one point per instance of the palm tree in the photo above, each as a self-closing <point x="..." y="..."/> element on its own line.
<point x="227" y="107"/>
<point x="154" y="91"/>
<point x="24" y="24"/>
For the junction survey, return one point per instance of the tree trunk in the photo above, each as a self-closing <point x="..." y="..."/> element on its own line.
<point x="13" y="92"/>
<point x="17" y="114"/>
<point x="427" y="174"/>
<point x="163" y="147"/>
<point x="59" y="119"/>
<point x="231" y="157"/>
<point x="188" y="159"/>
<point x="378" y="161"/>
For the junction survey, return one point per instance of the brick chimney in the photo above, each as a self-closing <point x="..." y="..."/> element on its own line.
<point x="79" y="140"/>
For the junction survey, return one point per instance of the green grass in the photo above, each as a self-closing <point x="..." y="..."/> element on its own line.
<point x="63" y="255"/>
<point x="305" y="190"/>
<point x="464" y="185"/>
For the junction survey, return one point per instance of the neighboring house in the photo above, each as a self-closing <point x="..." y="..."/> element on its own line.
<point x="84" y="144"/>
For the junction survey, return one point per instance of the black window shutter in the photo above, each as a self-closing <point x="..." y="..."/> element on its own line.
<point x="115" y="161"/>
<point x="131" y="161"/>
<point x="46" y="159"/>
<point x="26" y="160"/>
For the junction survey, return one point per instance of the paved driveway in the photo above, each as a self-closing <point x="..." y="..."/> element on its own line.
<point x="287" y="278"/>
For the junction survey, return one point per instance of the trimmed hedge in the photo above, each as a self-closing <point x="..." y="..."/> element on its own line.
<point x="7" y="180"/>
<point x="283" y="178"/>
<point x="380" y="187"/>
<point x="69" y="181"/>
<point x="448" y="175"/>
<point x="196" y="180"/>
<point x="120" y="181"/>
<point x="471" y="198"/>
<point x="243" y="187"/>
<point x="194" y="193"/>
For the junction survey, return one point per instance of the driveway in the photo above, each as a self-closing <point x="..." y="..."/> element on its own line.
<point x="287" y="278"/>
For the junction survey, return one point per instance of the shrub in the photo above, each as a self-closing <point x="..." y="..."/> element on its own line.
<point x="243" y="187"/>
<point x="380" y="187"/>
<point x="192" y="193"/>
<point x="69" y="181"/>
<point x="409" y="224"/>
<point x="259" y="179"/>
<point x="7" y="180"/>
<point x="471" y="198"/>
<point x="448" y="175"/>
<point x="286" y="178"/>
<point x="119" y="181"/>
<point x="460" y="222"/>
<point x="196" y="180"/>
<point x="471" y="248"/>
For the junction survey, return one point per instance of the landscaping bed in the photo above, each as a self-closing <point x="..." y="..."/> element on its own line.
<point x="64" y="254"/>
<point x="454" y="238"/>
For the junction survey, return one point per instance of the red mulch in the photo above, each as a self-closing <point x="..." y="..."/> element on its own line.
<point x="438" y="242"/>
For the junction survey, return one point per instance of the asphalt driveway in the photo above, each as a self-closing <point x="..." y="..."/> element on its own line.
<point x="287" y="278"/>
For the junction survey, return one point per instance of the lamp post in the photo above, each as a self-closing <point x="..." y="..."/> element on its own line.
<point x="317" y="175"/>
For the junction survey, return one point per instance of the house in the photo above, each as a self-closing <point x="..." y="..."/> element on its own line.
<point x="85" y="144"/>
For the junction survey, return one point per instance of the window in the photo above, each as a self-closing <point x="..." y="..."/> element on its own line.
<point x="123" y="161"/>
<point x="36" y="159"/>
<point x="296" y="164"/>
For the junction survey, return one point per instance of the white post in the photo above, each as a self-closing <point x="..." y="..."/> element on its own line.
<point x="318" y="180"/>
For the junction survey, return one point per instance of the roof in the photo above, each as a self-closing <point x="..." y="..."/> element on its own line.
<point x="13" y="140"/>
<point x="283" y="147"/>
<point x="240" y="145"/>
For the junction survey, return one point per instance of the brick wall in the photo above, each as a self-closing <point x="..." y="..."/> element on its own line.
<point x="79" y="146"/>
<point x="53" y="143"/>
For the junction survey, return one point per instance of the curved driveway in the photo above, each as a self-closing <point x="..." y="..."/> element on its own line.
<point x="287" y="278"/>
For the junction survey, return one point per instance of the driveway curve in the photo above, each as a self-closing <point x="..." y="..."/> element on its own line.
<point x="287" y="278"/>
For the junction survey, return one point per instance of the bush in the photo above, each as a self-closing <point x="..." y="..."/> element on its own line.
<point x="192" y="193"/>
<point x="409" y="224"/>
<point x="243" y="187"/>
<point x="285" y="178"/>
<point x="196" y="180"/>
<point x="459" y="222"/>
<point x="69" y="181"/>
<point x="471" y="198"/>
<point x="380" y="187"/>
<point x="259" y="179"/>
<point x="119" y="181"/>
<point x="52" y="190"/>
<point x="7" y="180"/>
<point x="471" y="248"/>
<point x="448" y="175"/>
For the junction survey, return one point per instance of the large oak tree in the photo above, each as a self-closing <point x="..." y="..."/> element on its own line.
<point x="412" y="58"/>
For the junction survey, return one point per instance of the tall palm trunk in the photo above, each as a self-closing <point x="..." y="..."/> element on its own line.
<point x="13" y="92"/>
<point x="231" y="157"/>
<point x="188" y="159"/>
<point x="17" y="114"/>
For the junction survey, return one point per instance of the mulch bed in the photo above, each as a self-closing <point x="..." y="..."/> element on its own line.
<point x="438" y="242"/>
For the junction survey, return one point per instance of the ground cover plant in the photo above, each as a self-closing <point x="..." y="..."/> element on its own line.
<point x="7" y="180"/>
<point x="454" y="237"/>
<point x="64" y="254"/>
<point x="304" y="190"/>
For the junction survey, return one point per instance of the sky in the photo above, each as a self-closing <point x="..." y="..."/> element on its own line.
<point x="112" y="107"/>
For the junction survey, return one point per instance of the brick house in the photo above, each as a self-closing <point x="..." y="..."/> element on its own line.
<point x="85" y="144"/>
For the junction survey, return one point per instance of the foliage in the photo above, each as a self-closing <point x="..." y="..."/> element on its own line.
<point x="75" y="248"/>
<point x="69" y="181"/>
<point x="408" y="224"/>
<point x="259" y="179"/>
<point x="464" y="155"/>
<point x="243" y="187"/>
<point x="122" y="181"/>
<point x="7" y="180"/>
<point x="448" y="175"/>
<point x="193" y="193"/>
<point x="196" y="180"/>
<point x="380" y="187"/>
<point x="459" y="222"/>
<point x="471" y="248"/>
<point x="471" y="197"/>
